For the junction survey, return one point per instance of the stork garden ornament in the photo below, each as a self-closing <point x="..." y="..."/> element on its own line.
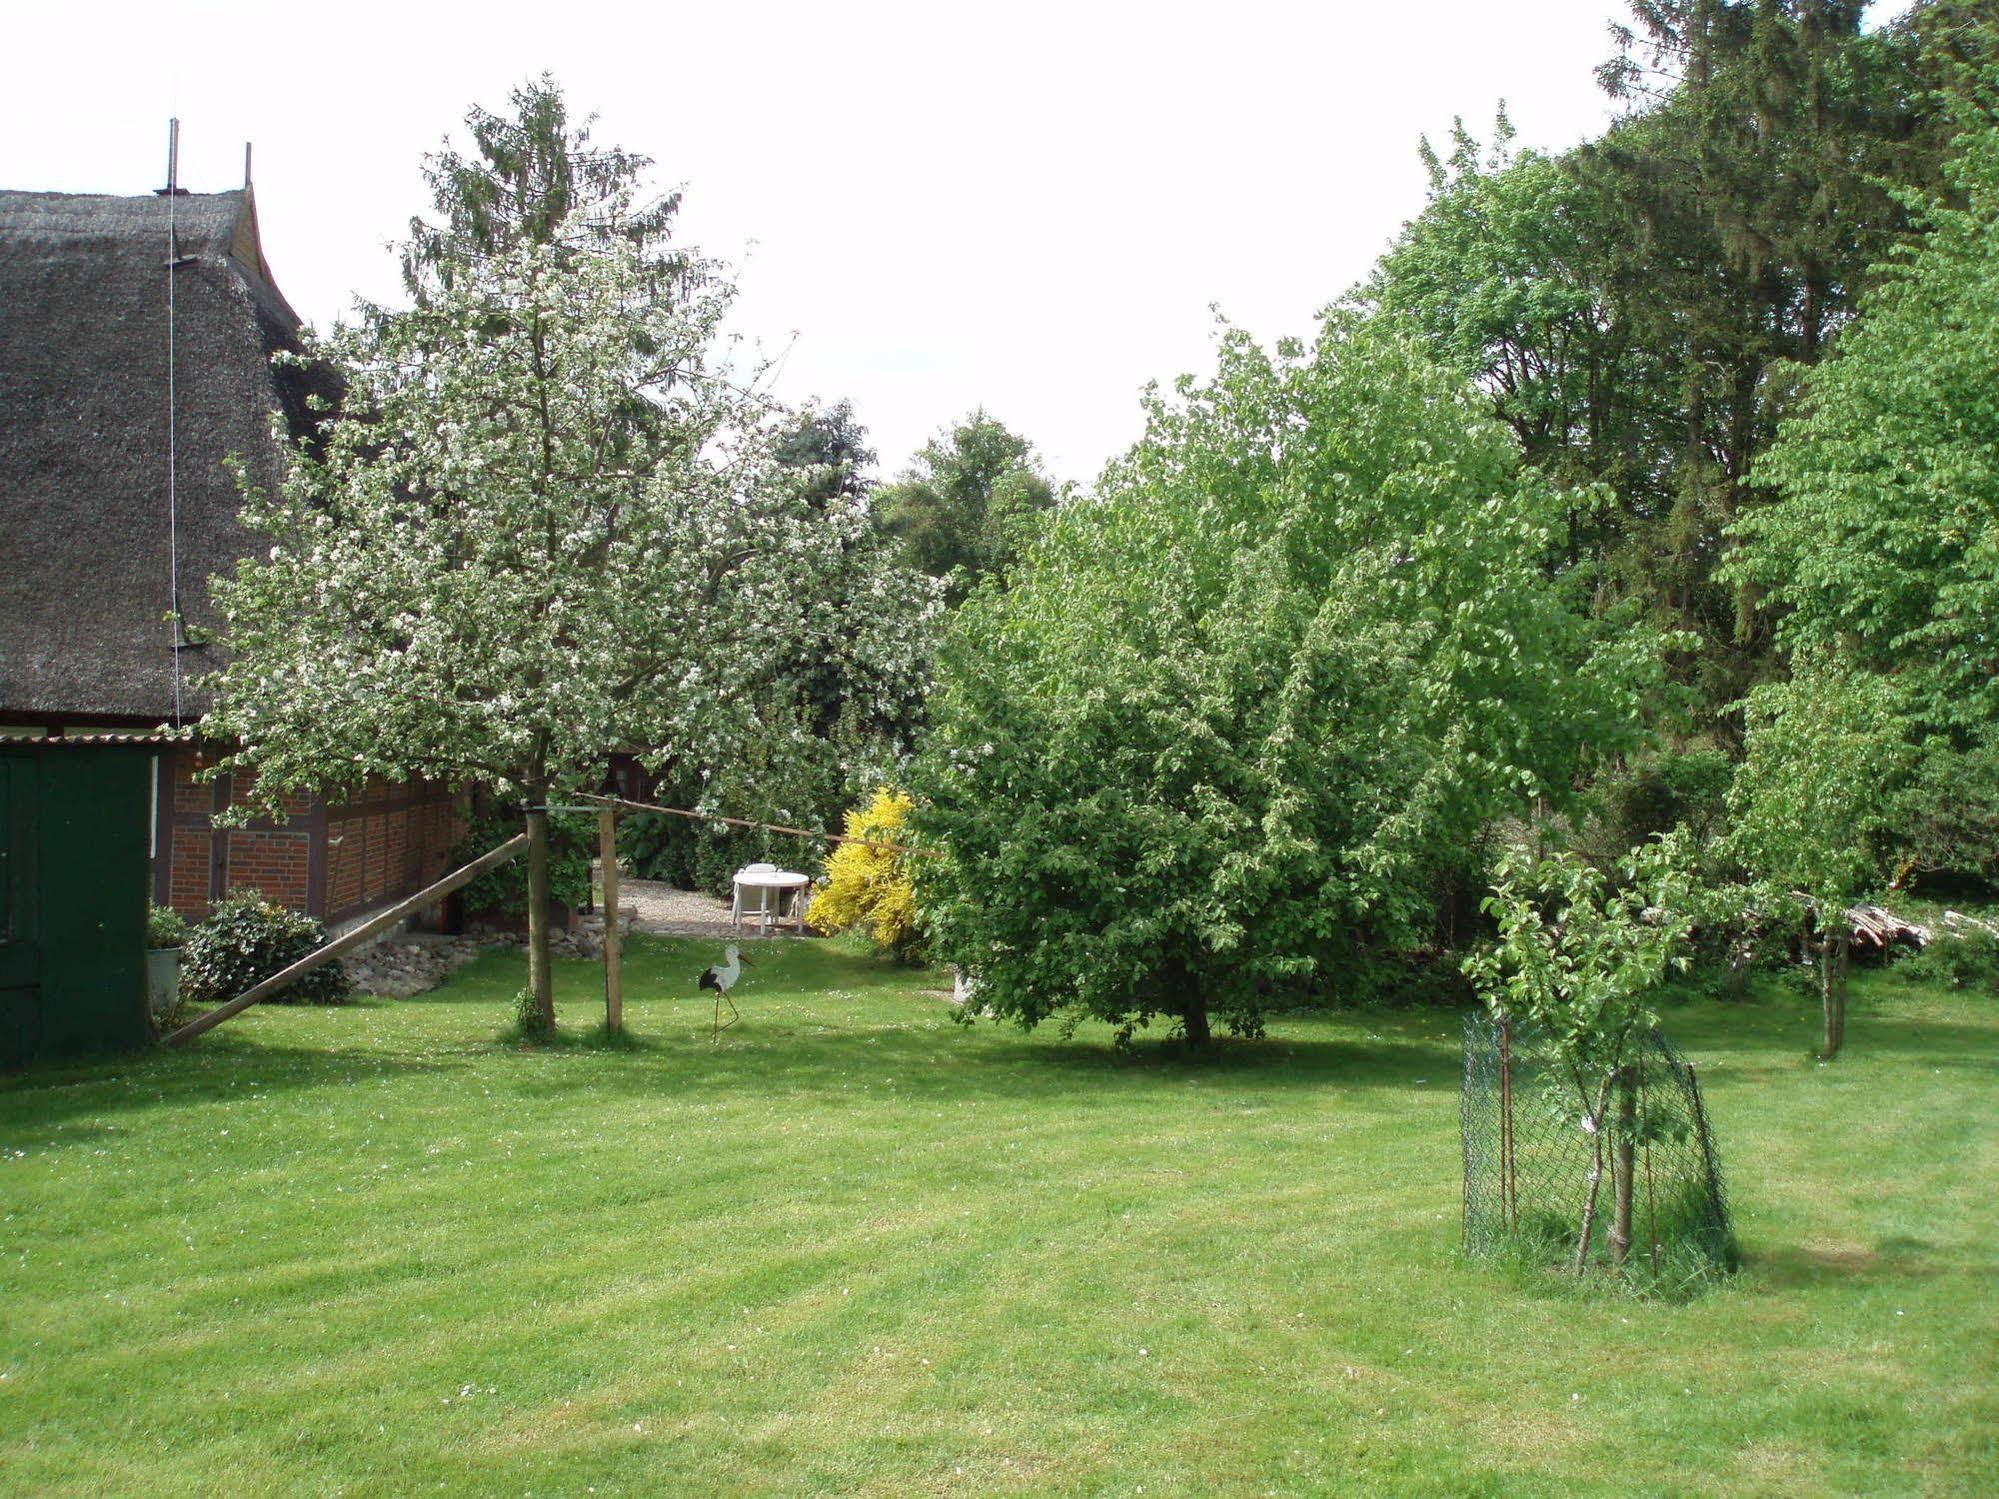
<point x="722" y="978"/>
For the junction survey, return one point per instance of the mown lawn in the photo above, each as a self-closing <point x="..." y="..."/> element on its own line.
<point x="858" y="1248"/>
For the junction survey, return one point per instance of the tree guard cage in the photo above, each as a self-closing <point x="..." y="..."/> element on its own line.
<point x="1528" y="1162"/>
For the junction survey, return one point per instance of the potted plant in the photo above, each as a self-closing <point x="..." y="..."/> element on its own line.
<point x="166" y="935"/>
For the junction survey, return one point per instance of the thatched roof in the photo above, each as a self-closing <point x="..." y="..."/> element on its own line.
<point x="84" y="564"/>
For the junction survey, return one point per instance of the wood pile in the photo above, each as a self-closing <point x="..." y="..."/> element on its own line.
<point x="1876" y="929"/>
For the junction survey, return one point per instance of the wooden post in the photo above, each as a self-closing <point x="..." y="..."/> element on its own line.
<point x="614" y="979"/>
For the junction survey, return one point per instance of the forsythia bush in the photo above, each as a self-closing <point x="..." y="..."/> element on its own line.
<point x="868" y="887"/>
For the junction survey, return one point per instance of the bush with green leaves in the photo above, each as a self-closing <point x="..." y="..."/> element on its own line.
<point x="1966" y="959"/>
<point x="1228" y="730"/>
<point x="244" y="940"/>
<point x="572" y="843"/>
<point x="165" y="927"/>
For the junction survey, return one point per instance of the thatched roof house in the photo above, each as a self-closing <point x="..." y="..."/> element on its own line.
<point x="86" y="588"/>
<point x="90" y="544"/>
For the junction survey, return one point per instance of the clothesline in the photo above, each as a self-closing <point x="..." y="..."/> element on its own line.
<point x="744" y="822"/>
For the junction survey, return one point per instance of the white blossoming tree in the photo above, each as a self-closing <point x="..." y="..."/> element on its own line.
<point x="547" y="525"/>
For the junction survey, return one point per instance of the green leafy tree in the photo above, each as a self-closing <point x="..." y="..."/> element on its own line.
<point x="1232" y="720"/>
<point x="831" y="442"/>
<point x="1812" y="808"/>
<point x="1883" y="543"/>
<point x="967" y="504"/>
<point x="532" y="177"/>
<point x="1584" y="960"/>
<point x="1750" y="187"/>
<point x="1880" y="556"/>
<point x="1639" y="309"/>
<point x="1508" y="273"/>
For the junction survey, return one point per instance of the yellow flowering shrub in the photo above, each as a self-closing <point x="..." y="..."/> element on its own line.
<point x="868" y="888"/>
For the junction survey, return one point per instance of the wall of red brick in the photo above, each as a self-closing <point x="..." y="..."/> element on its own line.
<point x="187" y="881"/>
<point x="276" y="865"/>
<point x="333" y="858"/>
<point x="384" y="841"/>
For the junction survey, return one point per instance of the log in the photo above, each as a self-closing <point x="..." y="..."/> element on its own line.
<point x="1876" y="927"/>
<point x="1958" y="925"/>
<point x="348" y="941"/>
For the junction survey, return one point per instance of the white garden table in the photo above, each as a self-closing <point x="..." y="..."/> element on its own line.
<point x="771" y="886"/>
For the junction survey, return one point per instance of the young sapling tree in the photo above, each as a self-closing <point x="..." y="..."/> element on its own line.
<point x="1583" y="959"/>
<point x="1813" y="801"/>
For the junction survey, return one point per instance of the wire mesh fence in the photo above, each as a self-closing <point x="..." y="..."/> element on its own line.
<point x="1647" y="1183"/>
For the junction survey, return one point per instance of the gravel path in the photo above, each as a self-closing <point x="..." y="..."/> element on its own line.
<point x="658" y="907"/>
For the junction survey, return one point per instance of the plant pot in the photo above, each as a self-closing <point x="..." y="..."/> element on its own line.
<point x="162" y="980"/>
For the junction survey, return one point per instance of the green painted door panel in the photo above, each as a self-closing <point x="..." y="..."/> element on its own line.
<point x="20" y="952"/>
<point x="95" y="874"/>
<point x="74" y="875"/>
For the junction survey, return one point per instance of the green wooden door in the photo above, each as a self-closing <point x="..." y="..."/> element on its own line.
<point x="20" y="933"/>
<point x="74" y="874"/>
<point x="94" y="873"/>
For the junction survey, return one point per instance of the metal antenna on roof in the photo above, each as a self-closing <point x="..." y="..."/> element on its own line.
<point x="246" y="166"/>
<point x="177" y="635"/>
<point x="173" y="160"/>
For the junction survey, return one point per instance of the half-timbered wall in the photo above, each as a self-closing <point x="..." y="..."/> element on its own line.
<point x="335" y="858"/>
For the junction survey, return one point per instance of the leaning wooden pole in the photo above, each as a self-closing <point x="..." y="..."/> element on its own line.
<point x="348" y="941"/>
<point x="614" y="978"/>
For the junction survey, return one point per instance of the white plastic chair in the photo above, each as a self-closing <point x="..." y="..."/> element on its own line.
<point x="767" y="897"/>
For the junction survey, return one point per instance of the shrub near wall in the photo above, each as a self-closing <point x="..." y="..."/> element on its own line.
<point x="247" y="939"/>
<point x="504" y="891"/>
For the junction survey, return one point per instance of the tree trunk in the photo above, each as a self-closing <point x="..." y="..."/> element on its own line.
<point x="1194" y="1018"/>
<point x="1833" y="947"/>
<point x="540" y="984"/>
<point x="1620" y="1165"/>
<point x="1594" y="1122"/>
<point x="1589" y="1202"/>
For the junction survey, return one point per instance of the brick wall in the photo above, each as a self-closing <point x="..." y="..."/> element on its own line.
<point x="277" y="865"/>
<point x="334" y="858"/>
<point x="385" y="841"/>
<point x="187" y="884"/>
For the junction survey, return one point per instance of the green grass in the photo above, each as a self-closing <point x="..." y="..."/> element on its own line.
<point x="857" y="1248"/>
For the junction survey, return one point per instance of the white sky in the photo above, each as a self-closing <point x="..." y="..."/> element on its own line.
<point x="1026" y="206"/>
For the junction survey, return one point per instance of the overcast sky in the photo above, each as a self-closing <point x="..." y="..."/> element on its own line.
<point x="1027" y="207"/>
